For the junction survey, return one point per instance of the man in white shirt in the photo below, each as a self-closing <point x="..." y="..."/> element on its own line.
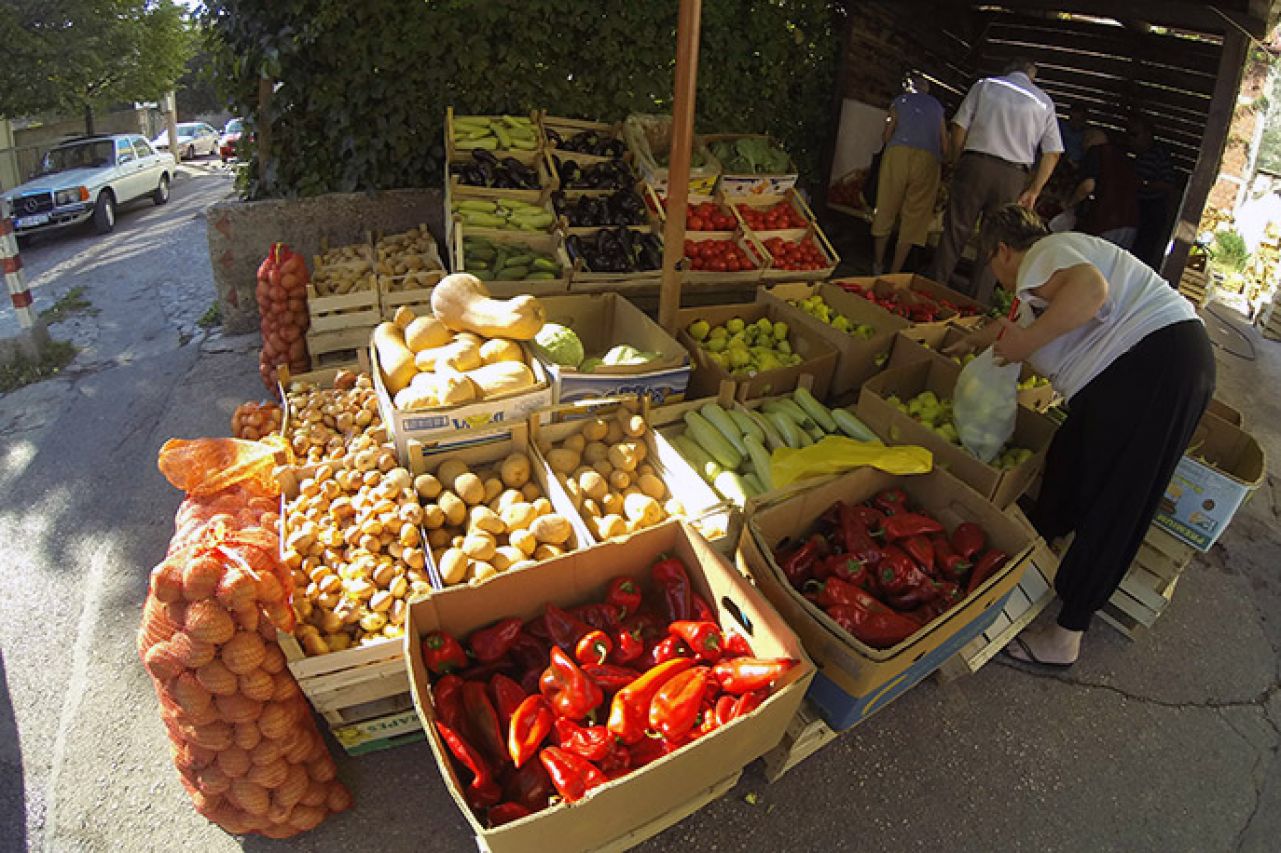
<point x="998" y="130"/>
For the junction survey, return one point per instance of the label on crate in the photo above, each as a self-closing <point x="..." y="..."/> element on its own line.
<point x="1199" y="503"/>
<point x="383" y="727"/>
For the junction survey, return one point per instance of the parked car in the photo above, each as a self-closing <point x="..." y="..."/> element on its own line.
<point x="195" y="139"/>
<point x="87" y="179"/>
<point x="228" y="144"/>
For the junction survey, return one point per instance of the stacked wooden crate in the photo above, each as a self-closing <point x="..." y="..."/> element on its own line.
<point x="1195" y="286"/>
<point x="1270" y="321"/>
<point x="342" y="301"/>
<point x="1147" y="588"/>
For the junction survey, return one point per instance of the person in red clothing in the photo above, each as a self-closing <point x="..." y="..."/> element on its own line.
<point x="1106" y="198"/>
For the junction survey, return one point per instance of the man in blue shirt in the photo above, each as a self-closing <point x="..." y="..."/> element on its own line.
<point x="1158" y="192"/>
<point x="1072" y="132"/>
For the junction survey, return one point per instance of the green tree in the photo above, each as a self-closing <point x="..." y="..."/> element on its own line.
<point x="78" y="55"/>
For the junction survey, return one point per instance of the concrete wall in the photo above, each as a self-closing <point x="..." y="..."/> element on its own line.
<point x="241" y="233"/>
<point x="30" y="143"/>
<point x="9" y="170"/>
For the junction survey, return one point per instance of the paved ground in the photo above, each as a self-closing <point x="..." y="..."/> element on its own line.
<point x="1168" y="743"/>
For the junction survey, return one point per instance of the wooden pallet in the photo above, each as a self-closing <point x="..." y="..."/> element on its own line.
<point x="1147" y="588"/>
<point x="806" y="734"/>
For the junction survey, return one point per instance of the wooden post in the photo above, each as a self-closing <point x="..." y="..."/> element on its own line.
<point x="687" y="34"/>
<point x="1217" y="123"/>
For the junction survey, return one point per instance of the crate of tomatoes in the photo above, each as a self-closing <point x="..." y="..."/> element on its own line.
<point x="799" y="253"/>
<point x="776" y="213"/>
<point x="712" y="258"/>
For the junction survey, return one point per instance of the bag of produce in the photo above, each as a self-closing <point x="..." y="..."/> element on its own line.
<point x="282" y="313"/>
<point x="243" y="736"/>
<point x="650" y="138"/>
<point x="986" y="404"/>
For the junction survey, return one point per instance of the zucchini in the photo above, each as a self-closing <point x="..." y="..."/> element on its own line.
<point x="719" y="418"/>
<point x="787" y="429"/>
<point x="772" y="438"/>
<point x="760" y="461"/>
<point x="814" y="409"/>
<point x="710" y="439"/>
<point x="754" y="485"/>
<point x="731" y="487"/>
<point x="746" y="426"/>
<point x="697" y="457"/>
<point x="852" y="426"/>
<point x="815" y="432"/>
<point x="793" y="411"/>
<point x="545" y="265"/>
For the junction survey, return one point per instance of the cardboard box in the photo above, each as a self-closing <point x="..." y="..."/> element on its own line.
<point x="855" y="680"/>
<point x="1032" y="430"/>
<point x="750" y="185"/>
<point x="818" y="357"/>
<point x="450" y="427"/>
<point x="857" y="359"/>
<point x="602" y="321"/>
<point x="919" y="284"/>
<point x="657" y="795"/>
<point x="927" y="343"/>
<point x="1222" y="466"/>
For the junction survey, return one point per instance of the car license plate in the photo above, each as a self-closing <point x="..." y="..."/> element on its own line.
<point x="31" y="221"/>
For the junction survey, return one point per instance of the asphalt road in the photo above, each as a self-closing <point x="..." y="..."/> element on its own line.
<point x="1167" y="743"/>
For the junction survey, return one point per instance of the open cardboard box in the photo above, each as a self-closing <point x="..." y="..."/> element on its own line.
<point x="653" y="796"/>
<point x="857" y="358"/>
<point x="1032" y="430"/>
<point x="927" y="343"/>
<point x="818" y="358"/>
<point x="1222" y="465"/>
<point x="919" y="286"/>
<point x="855" y="680"/>
<point x="602" y="321"/>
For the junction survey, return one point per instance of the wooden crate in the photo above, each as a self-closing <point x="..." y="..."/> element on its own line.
<point x="745" y="241"/>
<point x="806" y="734"/>
<point x="386" y="732"/>
<point x="1147" y="588"/>
<point x="793" y="235"/>
<point x="552" y="244"/>
<point x="568" y="127"/>
<point x="528" y="156"/>
<point x="339" y="348"/>
<point x="413" y="290"/>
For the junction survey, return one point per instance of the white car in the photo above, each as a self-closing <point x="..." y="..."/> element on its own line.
<point x="87" y="179"/>
<point x="195" y="139"/>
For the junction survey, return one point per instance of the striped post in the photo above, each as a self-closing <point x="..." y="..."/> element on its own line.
<point x="14" y="278"/>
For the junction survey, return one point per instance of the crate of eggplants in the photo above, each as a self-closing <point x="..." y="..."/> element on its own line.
<point x="587" y="142"/>
<point x="617" y="250"/>
<point x="606" y="175"/>
<point x="486" y="170"/>
<point x="617" y="209"/>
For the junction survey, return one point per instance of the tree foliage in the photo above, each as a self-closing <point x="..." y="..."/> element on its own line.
<point x="71" y="55"/>
<point x="362" y="87"/>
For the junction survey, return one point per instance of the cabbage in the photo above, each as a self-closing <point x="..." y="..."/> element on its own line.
<point x="626" y="354"/>
<point x="560" y="344"/>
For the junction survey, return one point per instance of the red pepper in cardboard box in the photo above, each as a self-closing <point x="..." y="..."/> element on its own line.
<point x="490" y="644"/>
<point x="747" y="675"/>
<point x="572" y="775"/>
<point x="530" y="724"/>
<point x="572" y="694"/>
<point x="442" y="654"/>
<point x="703" y="639"/>
<point x="624" y="592"/>
<point x="676" y="704"/>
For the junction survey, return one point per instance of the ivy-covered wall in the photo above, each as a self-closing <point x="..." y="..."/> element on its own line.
<point x="362" y="87"/>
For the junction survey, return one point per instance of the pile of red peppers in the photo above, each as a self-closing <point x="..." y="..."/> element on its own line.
<point x="883" y="571"/>
<point x="910" y="304"/>
<point x="546" y="710"/>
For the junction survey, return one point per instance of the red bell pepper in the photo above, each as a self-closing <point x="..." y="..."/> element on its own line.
<point x="447" y="698"/>
<point x="703" y="611"/>
<point x="617" y="762"/>
<point x="837" y="591"/>
<point x="898" y="575"/>
<point x="593" y="647"/>
<point x="737" y="645"/>
<point x="672" y="581"/>
<point x="891" y="502"/>
<point x="603" y="617"/>
<point x="530" y="680"/>
<point x="564" y="628"/>
<point x="485" y="671"/>
<point x="572" y="775"/>
<point x="949" y="565"/>
<point x="628" y="646"/>
<point x="590" y="742"/>
<point x="676" y="704"/>
<point x="747" y="703"/>
<point x="968" y="540"/>
<point x="665" y="650"/>
<point x="529" y="652"/>
<point x="507" y="696"/>
<point x="490" y="644"/>
<point x="647" y="626"/>
<point x="483" y="790"/>
<point x="442" y="654"/>
<point x="723" y="710"/>
<point x="989" y="564"/>
<point x="624" y="592"/>
<point x="537" y="629"/>
<point x="872" y="519"/>
<point x="745" y="675"/>
<point x="609" y="677"/>
<point x="482" y="722"/>
<point x="798" y="565"/>
<point x="906" y="524"/>
<point x="878" y="629"/>
<point x="530" y="786"/>
<point x="629" y="712"/>
<point x="703" y="639"/>
<point x="649" y="749"/>
<point x="949" y="594"/>
<point x="571" y="693"/>
<point x="505" y="813"/>
<point x="920" y="549"/>
<point x="530" y="724"/>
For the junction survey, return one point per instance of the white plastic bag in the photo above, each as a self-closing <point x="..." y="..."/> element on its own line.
<point x="986" y="404"/>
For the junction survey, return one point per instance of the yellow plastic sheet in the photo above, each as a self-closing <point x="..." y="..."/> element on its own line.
<point x="837" y="454"/>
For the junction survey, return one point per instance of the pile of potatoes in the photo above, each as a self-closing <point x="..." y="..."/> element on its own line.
<point x="253" y="420"/>
<point x="323" y="421"/>
<point x="484" y="520"/>
<point x="410" y="252"/>
<point x="345" y="269"/>
<point x="604" y="469"/>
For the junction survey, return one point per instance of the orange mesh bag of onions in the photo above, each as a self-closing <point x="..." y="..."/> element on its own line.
<point x="247" y="751"/>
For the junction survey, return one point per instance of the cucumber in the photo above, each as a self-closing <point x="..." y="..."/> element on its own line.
<point x="772" y="438"/>
<point x="504" y="138"/>
<point x="852" y="426"/>
<point x="814" y="409"/>
<point x="793" y="411"/>
<point x="476" y="205"/>
<point x="760" y="461"/>
<point x="806" y="441"/>
<point x="720" y="419"/>
<point x="540" y="275"/>
<point x="545" y="264"/>
<point x="697" y="457"/>
<point x="746" y="426"/>
<point x="710" y="439"/>
<point x="482" y="220"/>
<point x="512" y="273"/>
<point x="524" y="259"/>
<point x="754" y="485"/>
<point x="787" y="428"/>
<point x="731" y="487"/>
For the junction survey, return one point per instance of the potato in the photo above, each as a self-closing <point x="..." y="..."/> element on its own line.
<point x="439" y="538"/>
<point x="652" y="486"/>
<point x="453" y="506"/>
<point x="470" y="488"/>
<point x="510" y="497"/>
<point x="523" y="540"/>
<point x="642" y="508"/>
<point x="645" y="468"/>
<point x="479" y="545"/>
<point x="449" y="469"/>
<point x="575" y="493"/>
<point x="532" y="491"/>
<point x="619" y="480"/>
<point x="613" y="503"/>
<point x="518" y="516"/>
<point x="551" y="529"/>
<point x="433" y="516"/>
<point x="542" y="506"/>
<point x="595" y="452"/>
<point x="603" y="468"/>
<point x="453" y="566"/>
<point x="484" y="519"/>
<point x="427" y="486"/>
<point x="480" y="571"/>
<point x="608" y="526"/>
<point x="493" y="488"/>
<point x="595" y="429"/>
<point x="575" y="442"/>
<point x="515" y="470"/>
<point x="614" y="432"/>
<point x="546" y="552"/>
<point x="591" y="508"/>
<point x="633" y="425"/>
<point x="506" y="556"/>
<point x="623" y="456"/>
<point x="562" y="460"/>
<point x="592" y="484"/>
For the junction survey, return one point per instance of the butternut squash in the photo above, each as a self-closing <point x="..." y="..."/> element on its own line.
<point x="499" y="349"/>
<point x="428" y="390"/>
<point x="426" y="333"/>
<point x="394" y="358"/>
<point x="463" y="354"/>
<point x="502" y="377"/>
<point x="462" y="302"/>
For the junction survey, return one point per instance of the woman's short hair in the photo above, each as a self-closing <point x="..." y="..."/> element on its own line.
<point x="1013" y="225"/>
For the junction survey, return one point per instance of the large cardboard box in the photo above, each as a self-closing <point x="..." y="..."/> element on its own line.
<point x="818" y="357"/>
<point x="1032" y="430"/>
<point x="855" y="680"/>
<point x="450" y="427"/>
<point x="655" y="796"/>
<point x="1223" y="464"/>
<point x="605" y="320"/>
<point x="927" y="343"/>
<point x="857" y="358"/>
<point x="962" y="305"/>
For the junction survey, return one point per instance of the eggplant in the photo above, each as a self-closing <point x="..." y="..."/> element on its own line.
<point x="484" y="156"/>
<point x="554" y="138"/>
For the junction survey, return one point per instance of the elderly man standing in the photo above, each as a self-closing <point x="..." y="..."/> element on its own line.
<point x="997" y="130"/>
